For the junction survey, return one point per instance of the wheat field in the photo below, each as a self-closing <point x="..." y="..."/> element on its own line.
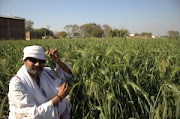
<point x="113" y="78"/>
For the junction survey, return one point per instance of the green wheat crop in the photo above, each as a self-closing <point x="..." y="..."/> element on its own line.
<point x="113" y="78"/>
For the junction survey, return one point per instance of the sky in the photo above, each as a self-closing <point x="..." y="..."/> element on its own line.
<point x="137" y="16"/>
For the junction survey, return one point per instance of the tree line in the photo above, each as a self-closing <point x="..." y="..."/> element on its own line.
<point x="91" y="30"/>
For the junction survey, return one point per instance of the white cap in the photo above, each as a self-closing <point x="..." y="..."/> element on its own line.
<point x="35" y="52"/>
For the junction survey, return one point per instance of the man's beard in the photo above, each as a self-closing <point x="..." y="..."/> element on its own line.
<point x="34" y="70"/>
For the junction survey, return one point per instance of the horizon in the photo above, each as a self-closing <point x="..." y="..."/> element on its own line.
<point x="157" y="17"/>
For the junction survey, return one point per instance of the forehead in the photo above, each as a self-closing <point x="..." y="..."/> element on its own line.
<point x="33" y="58"/>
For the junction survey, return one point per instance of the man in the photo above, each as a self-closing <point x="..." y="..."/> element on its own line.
<point x="36" y="92"/>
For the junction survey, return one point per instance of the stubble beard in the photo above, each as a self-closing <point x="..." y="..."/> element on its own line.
<point x="34" y="70"/>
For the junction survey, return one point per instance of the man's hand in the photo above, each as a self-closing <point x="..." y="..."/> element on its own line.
<point x="54" y="54"/>
<point x="63" y="90"/>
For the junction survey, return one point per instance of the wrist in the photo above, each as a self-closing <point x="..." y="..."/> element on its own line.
<point x="59" y="62"/>
<point x="60" y="99"/>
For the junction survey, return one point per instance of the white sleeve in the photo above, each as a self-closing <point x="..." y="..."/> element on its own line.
<point x="23" y="106"/>
<point x="64" y="75"/>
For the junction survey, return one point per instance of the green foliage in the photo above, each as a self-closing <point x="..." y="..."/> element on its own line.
<point x="63" y="34"/>
<point x="29" y="25"/>
<point x="119" y="33"/>
<point x="113" y="78"/>
<point x="173" y="34"/>
<point x="44" y="32"/>
<point x="97" y="33"/>
<point x="91" y="30"/>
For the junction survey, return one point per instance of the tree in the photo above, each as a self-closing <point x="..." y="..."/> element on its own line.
<point x="136" y="34"/>
<point x="76" y="35"/>
<point x="123" y="33"/>
<point x="29" y="25"/>
<point x="173" y="34"/>
<point x="75" y="30"/>
<point x="115" y="33"/>
<point x="97" y="33"/>
<point x="62" y="34"/>
<point x="68" y="28"/>
<point x="146" y="35"/>
<point x="91" y="30"/>
<point x="85" y="30"/>
<point x="44" y="32"/>
<point x="119" y="33"/>
<point x="106" y="29"/>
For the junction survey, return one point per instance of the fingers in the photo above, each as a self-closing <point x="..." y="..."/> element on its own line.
<point x="53" y="52"/>
<point x="64" y="86"/>
<point x="63" y="90"/>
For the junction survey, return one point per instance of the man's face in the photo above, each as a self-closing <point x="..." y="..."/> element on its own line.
<point x="34" y="66"/>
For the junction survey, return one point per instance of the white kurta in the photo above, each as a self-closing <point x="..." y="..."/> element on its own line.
<point x="24" y="106"/>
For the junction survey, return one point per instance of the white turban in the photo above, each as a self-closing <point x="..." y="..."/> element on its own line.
<point x="35" y="52"/>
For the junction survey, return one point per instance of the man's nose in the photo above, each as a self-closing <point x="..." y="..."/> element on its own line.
<point x="38" y="64"/>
